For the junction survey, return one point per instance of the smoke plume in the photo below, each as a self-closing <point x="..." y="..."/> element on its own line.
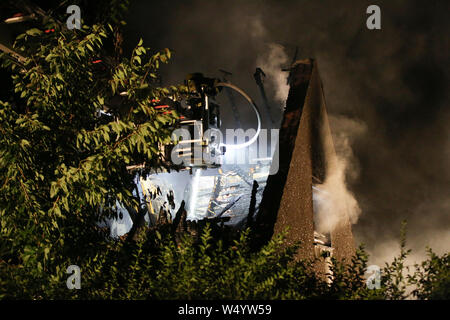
<point x="273" y="59"/>
<point x="336" y="201"/>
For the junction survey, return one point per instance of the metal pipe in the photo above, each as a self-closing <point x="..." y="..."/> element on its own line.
<point x="255" y="108"/>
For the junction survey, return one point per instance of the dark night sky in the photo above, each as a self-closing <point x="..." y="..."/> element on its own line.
<point x="393" y="82"/>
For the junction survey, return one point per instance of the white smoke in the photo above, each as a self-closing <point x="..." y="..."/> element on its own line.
<point x="336" y="200"/>
<point x="273" y="59"/>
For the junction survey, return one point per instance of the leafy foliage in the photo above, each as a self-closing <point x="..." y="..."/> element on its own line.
<point x="62" y="166"/>
<point x="158" y="267"/>
<point x="432" y="277"/>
